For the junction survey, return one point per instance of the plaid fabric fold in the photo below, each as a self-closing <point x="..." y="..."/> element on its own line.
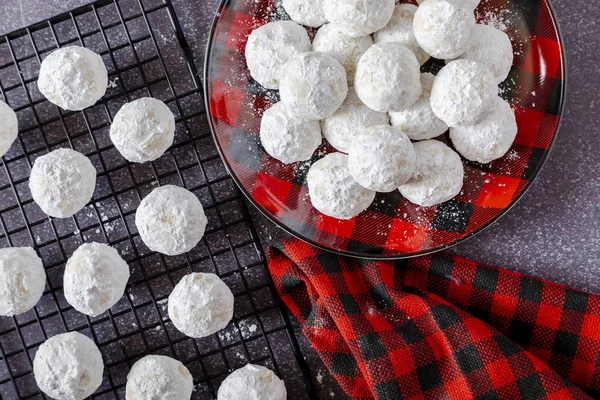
<point x="440" y="327"/>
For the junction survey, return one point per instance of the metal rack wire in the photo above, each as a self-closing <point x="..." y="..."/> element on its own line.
<point x="146" y="54"/>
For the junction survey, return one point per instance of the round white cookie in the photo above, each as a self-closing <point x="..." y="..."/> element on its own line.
<point x="73" y="78"/>
<point x="438" y="175"/>
<point x="143" y="130"/>
<point x="358" y="17"/>
<point x="95" y="278"/>
<point x="492" y="47"/>
<point x="419" y="121"/>
<point x="388" y="77"/>
<point x="271" y="46"/>
<point x="444" y="28"/>
<point x="333" y="191"/>
<point x="22" y="280"/>
<point x="68" y="367"/>
<point x="159" y="377"/>
<point x="381" y="158"/>
<point x="9" y="127"/>
<point x="400" y="30"/>
<point x="313" y="85"/>
<point x="252" y="382"/>
<point x="342" y="128"/>
<point x="306" y="12"/>
<point x="463" y="92"/>
<point x="491" y="138"/>
<point x="346" y="49"/>
<point x="287" y="138"/>
<point x="200" y="305"/>
<point x="472" y="4"/>
<point x="62" y="182"/>
<point x="171" y="220"/>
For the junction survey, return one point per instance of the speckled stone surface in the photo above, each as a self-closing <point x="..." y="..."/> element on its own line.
<point x="553" y="232"/>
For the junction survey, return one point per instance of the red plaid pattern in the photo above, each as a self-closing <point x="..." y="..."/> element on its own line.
<point x="441" y="327"/>
<point x="392" y="227"/>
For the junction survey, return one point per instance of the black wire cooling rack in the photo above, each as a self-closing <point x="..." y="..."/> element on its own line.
<point x="146" y="55"/>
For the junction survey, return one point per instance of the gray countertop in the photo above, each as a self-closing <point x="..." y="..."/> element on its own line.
<point x="553" y="232"/>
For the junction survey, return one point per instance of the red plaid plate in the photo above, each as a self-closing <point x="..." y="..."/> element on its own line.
<point x="392" y="227"/>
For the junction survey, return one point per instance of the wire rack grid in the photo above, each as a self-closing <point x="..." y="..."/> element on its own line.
<point x="146" y="54"/>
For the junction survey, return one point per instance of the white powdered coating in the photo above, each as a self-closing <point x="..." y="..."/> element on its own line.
<point x="342" y="128"/>
<point x="463" y="92"/>
<point x="200" y="305"/>
<point x="271" y="46"/>
<point x="347" y="50"/>
<point x="73" y="78"/>
<point x="22" y="280"/>
<point x="418" y="121"/>
<point x="443" y="28"/>
<point x="171" y="220"/>
<point x="68" y="367"/>
<point x="9" y="127"/>
<point x="252" y="382"/>
<point x="381" y="158"/>
<point x="358" y="18"/>
<point x="492" y="47"/>
<point x="491" y="138"/>
<point x="62" y="182"/>
<point x="333" y="191"/>
<point x="400" y="30"/>
<point x="287" y="138"/>
<point x="159" y="378"/>
<point x="313" y="85"/>
<point x="306" y="12"/>
<point x="472" y="4"/>
<point x="143" y="130"/>
<point x="95" y="278"/>
<point x="388" y="77"/>
<point x="438" y="175"/>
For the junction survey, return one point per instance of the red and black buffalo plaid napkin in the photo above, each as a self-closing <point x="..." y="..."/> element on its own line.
<point x="441" y="327"/>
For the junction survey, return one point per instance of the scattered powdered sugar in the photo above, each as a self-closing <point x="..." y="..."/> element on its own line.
<point x="437" y="177"/>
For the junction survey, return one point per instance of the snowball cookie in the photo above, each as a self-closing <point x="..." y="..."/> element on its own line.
<point x="492" y="47"/>
<point x="444" y="28"/>
<point x="419" y="121"/>
<point x="9" y="127"/>
<point x="347" y="50"/>
<point x="73" y="78"/>
<point x="68" y="367"/>
<point x="271" y="46"/>
<point x="491" y="138"/>
<point x="159" y="377"/>
<point x="381" y="158"/>
<point x="62" y="182"/>
<point x="287" y="138"/>
<point x="333" y="191"/>
<point x="400" y="30"/>
<point x="345" y="124"/>
<point x="472" y="4"/>
<point x="313" y="85"/>
<point x="252" y="382"/>
<point x="143" y="130"/>
<point x="200" y="305"/>
<point x="306" y="12"/>
<point x="463" y="92"/>
<point x="171" y="220"/>
<point x="358" y="17"/>
<point x="438" y="175"/>
<point x="22" y="280"/>
<point x="95" y="278"/>
<point x="388" y="77"/>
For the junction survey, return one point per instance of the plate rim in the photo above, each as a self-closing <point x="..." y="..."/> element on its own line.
<point x="493" y="221"/>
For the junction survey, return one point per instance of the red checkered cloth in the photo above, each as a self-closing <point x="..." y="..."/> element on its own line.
<point x="441" y="327"/>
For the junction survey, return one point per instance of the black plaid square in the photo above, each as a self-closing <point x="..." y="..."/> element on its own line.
<point x="468" y="359"/>
<point x="531" y="290"/>
<point x="371" y="346"/>
<point x="429" y="376"/>
<point x="453" y="216"/>
<point x="343" y="364"/>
